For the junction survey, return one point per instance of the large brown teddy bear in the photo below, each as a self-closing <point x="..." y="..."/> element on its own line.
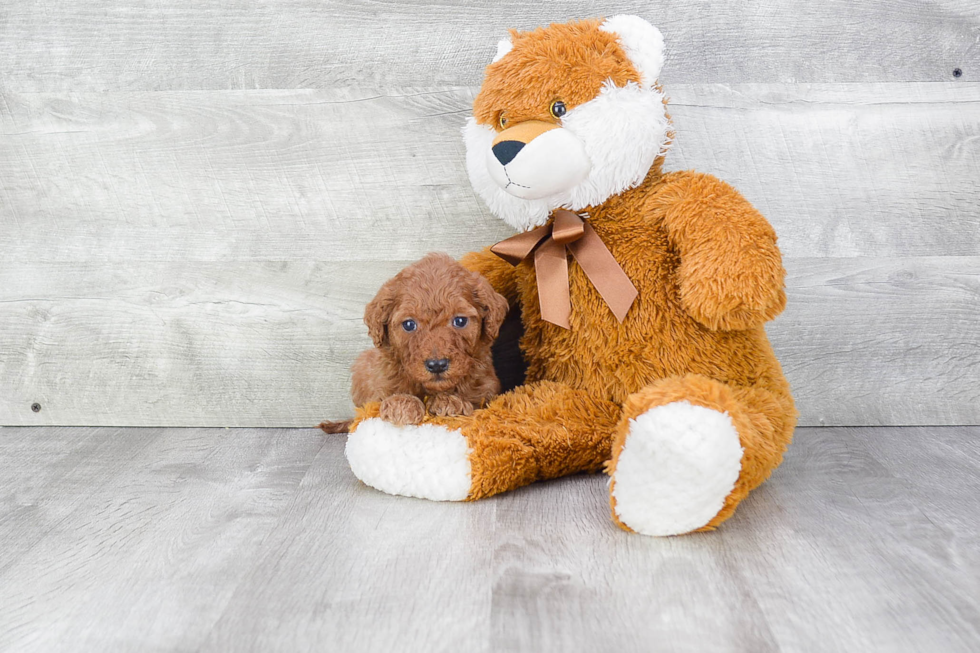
<point x="673" y="388"/>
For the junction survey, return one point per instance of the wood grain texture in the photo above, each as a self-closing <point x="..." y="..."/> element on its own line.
<point x="882" y="341"/>
<point x="49" y="474"/>
<point x="843" y="170"/>
<point x="412" y="575"/>
<point x="941" y="474"/>
<point x="91" y="45"/>
<point x="836" y="508"/>
<point x="203" y="258"/>
<point x="247" y="540"/>
<point x="143" y="538"/>
<point x="840" y="170"/>
<point x="863" y="341"/>
<point x="250" y="343"/>
<point x="293" y="175"/>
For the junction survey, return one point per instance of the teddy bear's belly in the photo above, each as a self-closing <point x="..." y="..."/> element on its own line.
<point x="657" y="340"/>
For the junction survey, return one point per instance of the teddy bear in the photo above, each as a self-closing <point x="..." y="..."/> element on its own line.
<point x="643" y="296"/>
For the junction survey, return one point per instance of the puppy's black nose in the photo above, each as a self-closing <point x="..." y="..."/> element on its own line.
<point x="437" y="365"/>
<point x="505" y="151"/>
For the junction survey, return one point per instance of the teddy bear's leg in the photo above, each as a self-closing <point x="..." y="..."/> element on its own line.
<point x="537" y="431"/>
<point x="688" y="449"/>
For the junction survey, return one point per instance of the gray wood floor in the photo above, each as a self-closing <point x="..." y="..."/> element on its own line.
<point x="240" y="540"/>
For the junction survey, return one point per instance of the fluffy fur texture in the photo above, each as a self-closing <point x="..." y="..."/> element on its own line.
<point x="676" y="466"/>
<point x="544" y="430"/>
<point x="643" y="44"/>
<point x="425" y="461"/>
<point x="615" y="129"/>
<point x="685" y="397"/>
<point x="434" y="294"/>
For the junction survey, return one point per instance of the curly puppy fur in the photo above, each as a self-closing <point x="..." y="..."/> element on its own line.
<point x="433" y="314"/>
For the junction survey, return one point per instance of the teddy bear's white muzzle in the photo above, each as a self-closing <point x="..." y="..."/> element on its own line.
<point x="551" y="163"/>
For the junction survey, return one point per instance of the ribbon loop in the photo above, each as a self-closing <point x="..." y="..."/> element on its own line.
<point x="516" y="248"/>
<point x="551" y="245"/>
<point x="567" y="228"/>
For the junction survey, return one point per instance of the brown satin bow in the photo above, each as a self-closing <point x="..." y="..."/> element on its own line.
<point x="549" y="245"/>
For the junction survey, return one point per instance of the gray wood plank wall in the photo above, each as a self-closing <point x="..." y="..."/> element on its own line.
<point x="197" y="201"/>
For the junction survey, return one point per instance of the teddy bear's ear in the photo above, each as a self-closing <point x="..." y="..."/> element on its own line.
<point x="503" y="47"/>
<point x="642" y="42"/>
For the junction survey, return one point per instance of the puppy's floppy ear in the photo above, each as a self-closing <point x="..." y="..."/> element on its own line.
<point x="378" y="312"/>
<point x="492" y="305"/>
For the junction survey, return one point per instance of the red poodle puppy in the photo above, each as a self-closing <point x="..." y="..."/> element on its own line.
<point x="432" y="324"/>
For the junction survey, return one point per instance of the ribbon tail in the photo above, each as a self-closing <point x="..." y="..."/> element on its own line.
<point x="551" y="271"/>
<point x="605" y="273"/>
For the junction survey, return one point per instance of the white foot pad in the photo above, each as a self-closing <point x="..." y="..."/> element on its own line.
<point x="677" y="466"/>
<point x="425" y="461"/>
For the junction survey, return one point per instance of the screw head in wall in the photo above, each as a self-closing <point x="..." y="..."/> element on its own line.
<point x="36" y="407"/>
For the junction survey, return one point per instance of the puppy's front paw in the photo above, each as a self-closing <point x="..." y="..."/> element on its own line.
<point x="402" y="409"/>
<point x="449" y="406"/>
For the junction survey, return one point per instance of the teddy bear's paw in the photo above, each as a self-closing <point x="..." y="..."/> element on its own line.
<point x="427" y="461"/>
<point x="678" y="464"/>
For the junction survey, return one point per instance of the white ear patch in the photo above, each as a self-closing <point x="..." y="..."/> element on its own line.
<point x="642" y="42"/>
<point x="503" y="47"/>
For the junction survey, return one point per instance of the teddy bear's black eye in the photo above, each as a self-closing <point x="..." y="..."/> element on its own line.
<point x="502" y="121"/>
<point x="558" y="109"/>
<point x="409" y="325"/>
<point x="459" y="321"/>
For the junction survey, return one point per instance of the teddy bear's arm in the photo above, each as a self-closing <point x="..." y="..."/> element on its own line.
<point x="501" y="274"/>
<point x="731" y="272"/>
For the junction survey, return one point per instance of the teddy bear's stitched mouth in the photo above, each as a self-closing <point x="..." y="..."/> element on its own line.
<point x="511" y="182"/>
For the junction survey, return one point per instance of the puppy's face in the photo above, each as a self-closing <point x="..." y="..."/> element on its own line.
<point x="436" y="319"/>
<point x="435" y="343"/>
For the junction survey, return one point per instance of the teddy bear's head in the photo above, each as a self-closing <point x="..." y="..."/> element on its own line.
<point x="568" y="116"/>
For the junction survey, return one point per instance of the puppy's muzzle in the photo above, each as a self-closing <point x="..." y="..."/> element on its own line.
<point x="437" y="365"/>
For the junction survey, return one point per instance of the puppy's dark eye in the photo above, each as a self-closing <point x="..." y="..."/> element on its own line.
<point x="558" y="109"/>
<point x="459" y="321"/>
<point x="409" y="325"/>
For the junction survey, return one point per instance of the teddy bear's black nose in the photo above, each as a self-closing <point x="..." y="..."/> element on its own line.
<point x="505" y="151"/>
<point x="437" y="365"/>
